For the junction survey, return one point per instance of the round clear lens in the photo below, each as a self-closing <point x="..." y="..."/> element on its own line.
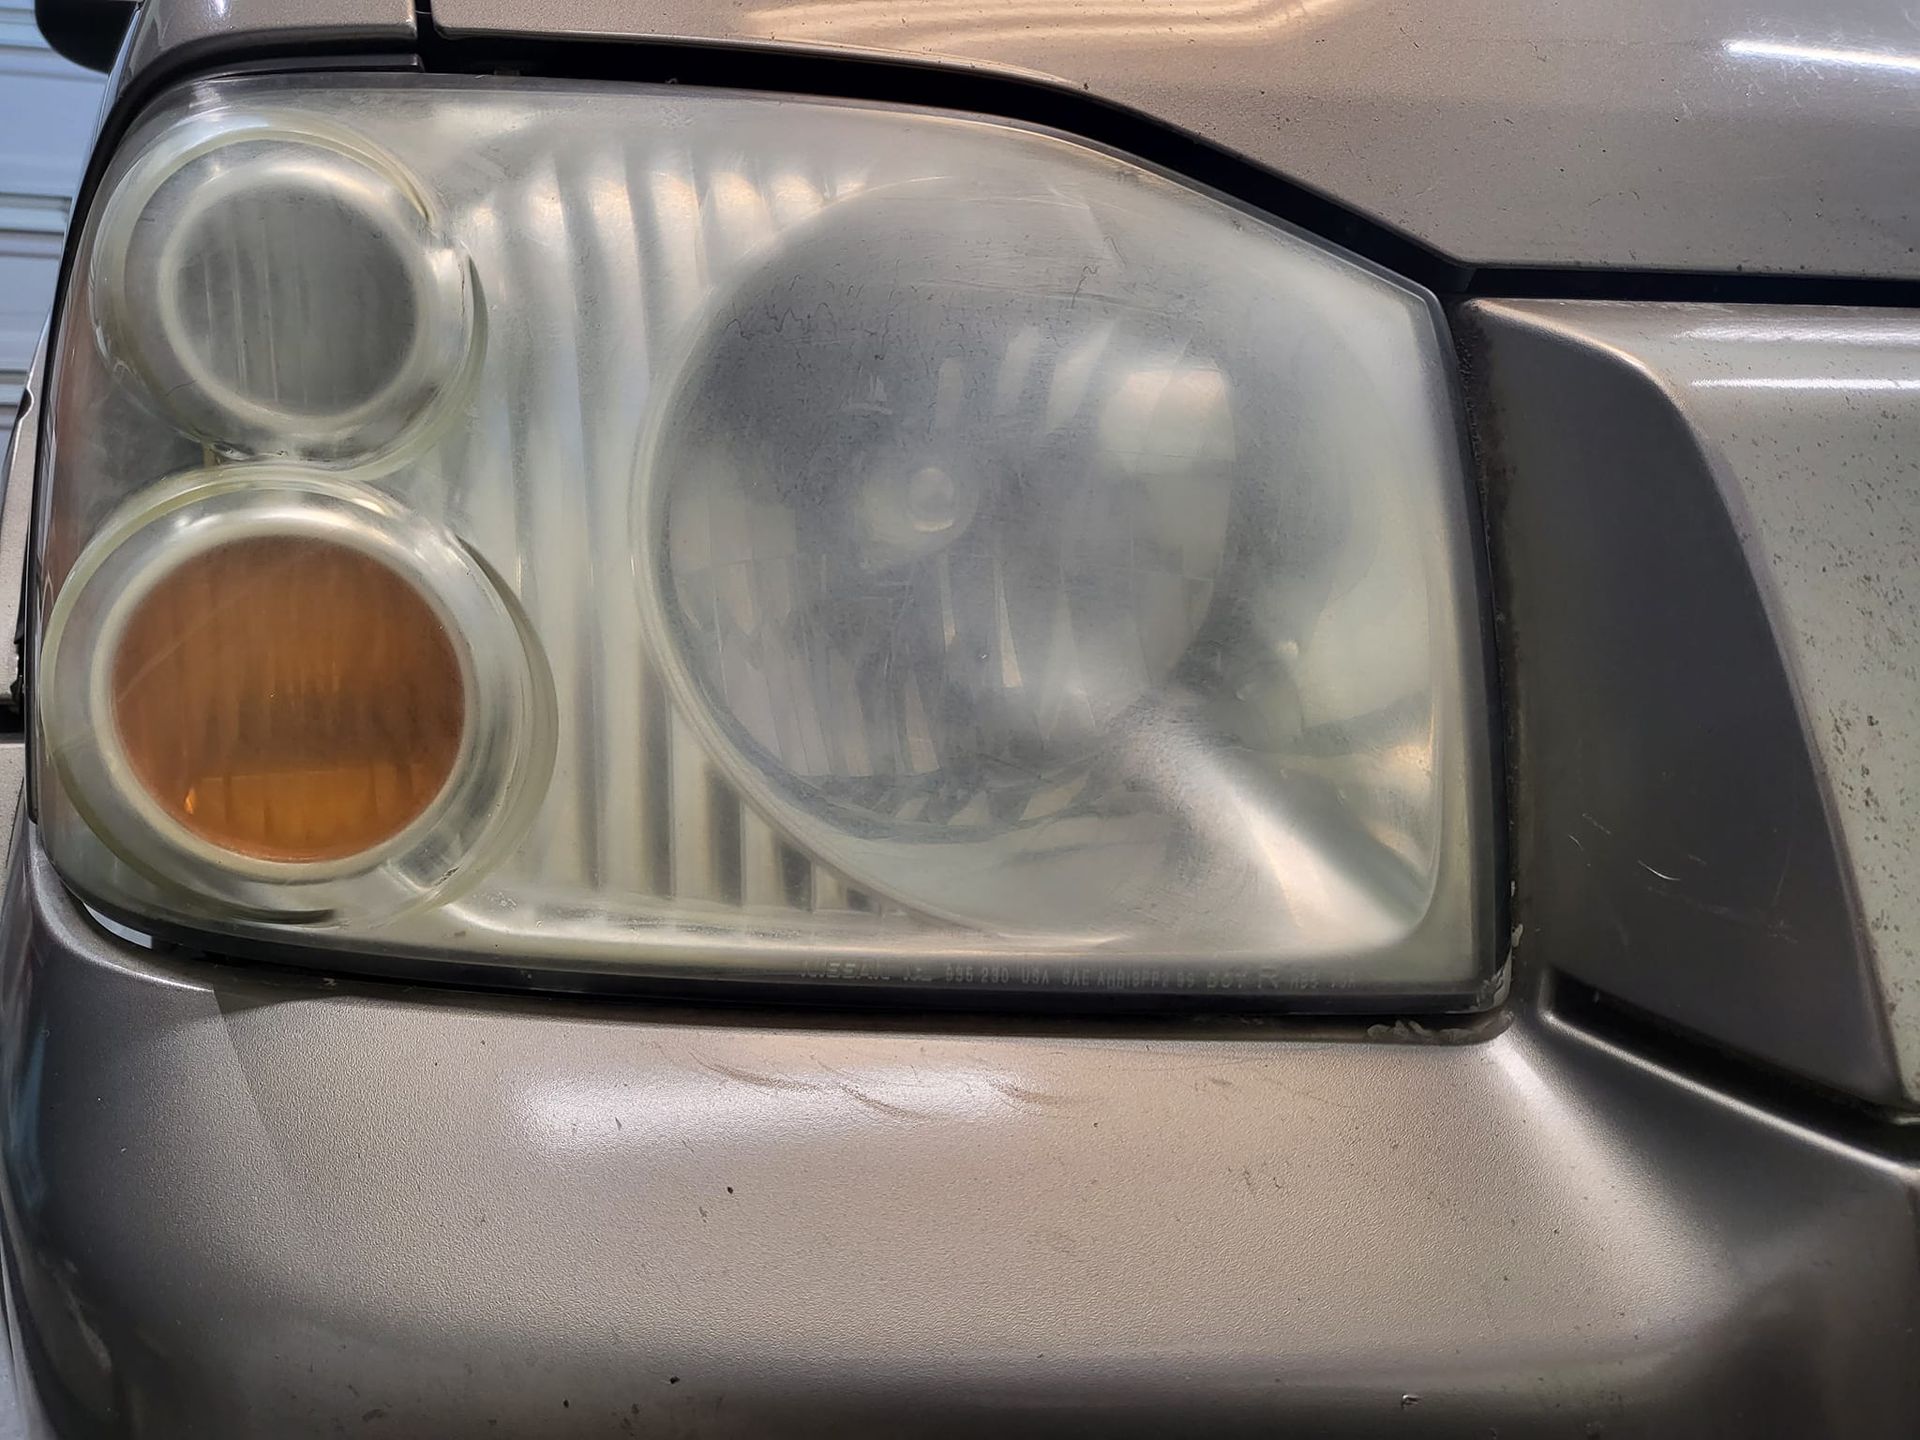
<point x="283" y="292"/>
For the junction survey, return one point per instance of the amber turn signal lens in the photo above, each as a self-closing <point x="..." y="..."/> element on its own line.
<point x="288" y="699"/>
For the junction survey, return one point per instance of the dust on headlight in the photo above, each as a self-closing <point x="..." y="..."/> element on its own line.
<point x="960" y="554"/>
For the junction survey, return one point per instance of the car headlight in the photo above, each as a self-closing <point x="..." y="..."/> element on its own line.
<point x="691" y="534"/>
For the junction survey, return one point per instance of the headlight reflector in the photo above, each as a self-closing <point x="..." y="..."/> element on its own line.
<point x="728" y="536"/>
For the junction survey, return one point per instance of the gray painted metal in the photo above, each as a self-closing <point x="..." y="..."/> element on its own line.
<point x="242" y="1204"/>
<point x="177" y="33"/>
<point x="1706" y="519"/>
<point x="21" y="1417"/>
<point x="165" y="34"/>
<point x="1702" y="135"/>
<point x="1695" y="134"/>
<point x="46" y="120"/>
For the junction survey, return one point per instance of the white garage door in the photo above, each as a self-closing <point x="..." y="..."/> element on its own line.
<point x="46" y="118"/>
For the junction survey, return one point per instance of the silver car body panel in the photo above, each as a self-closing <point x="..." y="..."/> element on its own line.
<point x="1807" y="420"/>
<point x="1658" y="134"/>
<point x="246" y="1200"/>
<point x="249" y="1204"/>
<point x="167" y="35"/>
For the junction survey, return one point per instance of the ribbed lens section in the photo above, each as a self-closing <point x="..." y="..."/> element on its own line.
<point x="617" y="247"/>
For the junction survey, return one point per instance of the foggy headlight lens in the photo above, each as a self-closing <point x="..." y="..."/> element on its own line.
<point x="693" y="535"/>
<point x="927" y="603"/>
<point x="281" y="289"/>
<point x="274" y="692"/>
<point x="338" y="682"/>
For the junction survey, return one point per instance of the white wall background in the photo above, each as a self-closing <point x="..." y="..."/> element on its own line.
<point x="46" y="118"/>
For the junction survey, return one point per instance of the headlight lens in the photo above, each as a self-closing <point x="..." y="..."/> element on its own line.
<point x="690" y="534"/>
<point x="273" y="692"/>
<point x="281" y="289"/>
<point x="337" y="681"/>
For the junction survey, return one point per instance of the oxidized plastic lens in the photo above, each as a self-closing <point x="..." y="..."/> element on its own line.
<point x="301" y="253"/>
<point x="288" y="699"/>
<point x="1009" y="585"/>
<point x="284" y="291"/>
<point x="878" y="545"/>
<point x="929" y="539"/>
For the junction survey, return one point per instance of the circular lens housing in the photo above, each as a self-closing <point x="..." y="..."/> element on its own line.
<point x="282" y="693"/>
<point x="283" y="289"/>
<point x="288" y="698"/>
<point x="926" y="535"/>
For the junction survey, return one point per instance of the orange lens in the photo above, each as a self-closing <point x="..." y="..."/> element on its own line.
<point x="288" y="699"/>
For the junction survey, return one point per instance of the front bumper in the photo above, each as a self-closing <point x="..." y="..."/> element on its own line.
<point x="258" y="1203"/>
